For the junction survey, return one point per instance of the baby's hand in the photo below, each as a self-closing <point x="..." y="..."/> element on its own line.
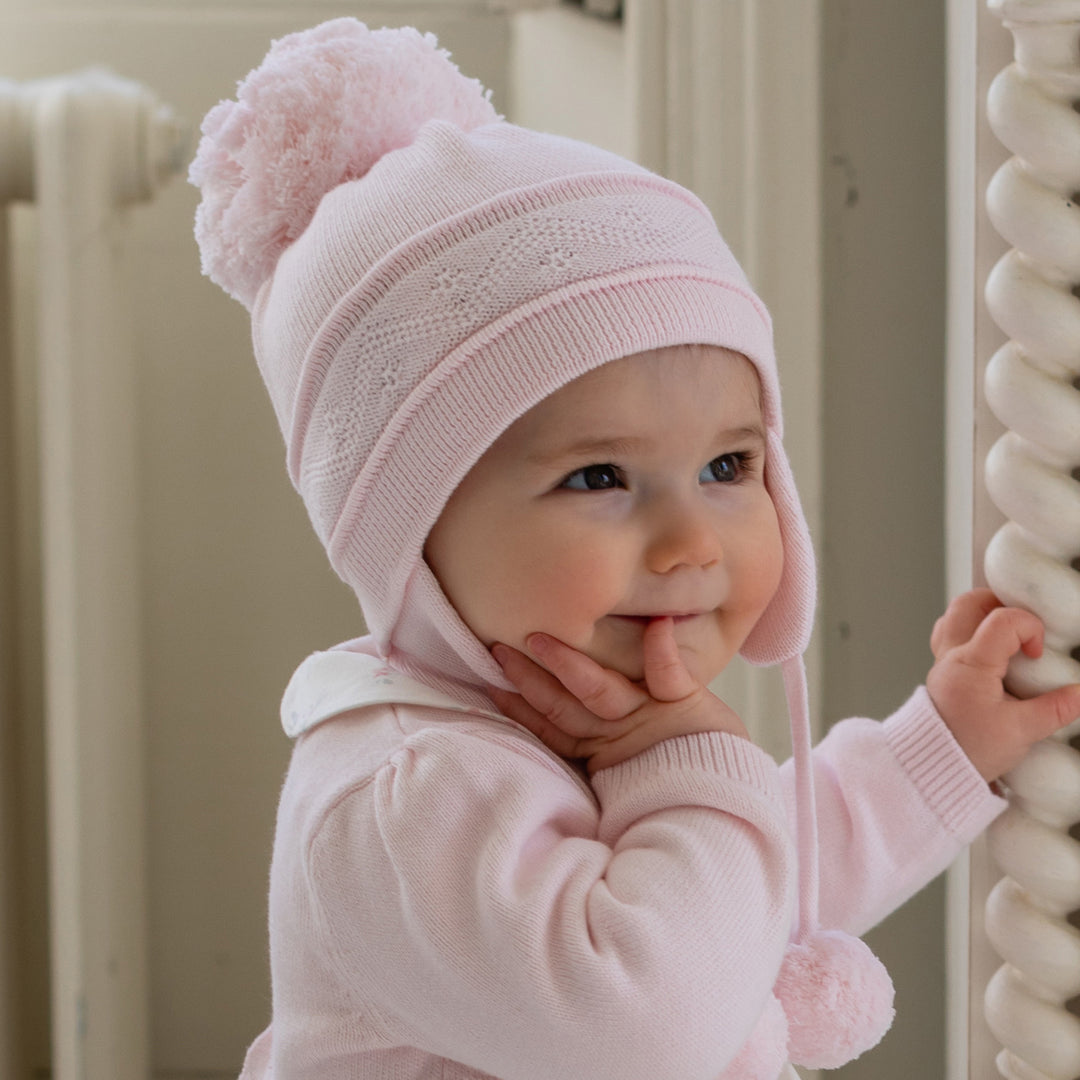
<point x="579" y="709"/>
<point x="972" y="645"/>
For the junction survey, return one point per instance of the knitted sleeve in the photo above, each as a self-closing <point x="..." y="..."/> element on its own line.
<point x="897" y="801"/>
<point x="504" y="919"/>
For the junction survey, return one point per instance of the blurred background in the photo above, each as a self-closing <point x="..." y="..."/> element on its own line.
<point x="815" y="129"/>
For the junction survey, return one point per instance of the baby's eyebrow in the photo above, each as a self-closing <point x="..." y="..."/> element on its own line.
<point x="595" y="447"/>
<point x="751" y="433"/>
<point x="604" y="447"/>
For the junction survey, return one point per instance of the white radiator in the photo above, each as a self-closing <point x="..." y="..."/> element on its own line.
<point x="82" y="149"/>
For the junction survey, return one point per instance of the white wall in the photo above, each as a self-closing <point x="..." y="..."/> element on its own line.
<point x="568" y="74"/>
<point x="882" y="551"/>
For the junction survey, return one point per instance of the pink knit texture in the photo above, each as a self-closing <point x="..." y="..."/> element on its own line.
<point x="764" y="1053"/>
<point x="322" y="108"/>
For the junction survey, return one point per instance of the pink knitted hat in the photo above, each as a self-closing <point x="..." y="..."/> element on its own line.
<point x="420" y="273"/>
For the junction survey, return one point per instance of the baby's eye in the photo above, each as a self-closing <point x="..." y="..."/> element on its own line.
<point x="593" y="478"/>
<point x="725" y="469"/>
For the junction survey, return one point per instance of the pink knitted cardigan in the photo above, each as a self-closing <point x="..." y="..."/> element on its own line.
<point x="449" y="899"/>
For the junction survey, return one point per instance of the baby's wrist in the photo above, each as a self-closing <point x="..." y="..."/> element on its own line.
<point x="693" y="752"/>
<point x="646" y="737"/>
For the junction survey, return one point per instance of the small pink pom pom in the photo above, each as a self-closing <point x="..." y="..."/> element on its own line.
<point x="838" y="998"/>
<point x="765" y="1052"/>
<point x="321" y="109"/>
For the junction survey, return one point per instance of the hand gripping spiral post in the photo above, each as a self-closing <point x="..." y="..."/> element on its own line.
<point x="1032" y="473"/>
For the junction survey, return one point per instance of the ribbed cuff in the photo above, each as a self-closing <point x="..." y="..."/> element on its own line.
<point x="939" y="768"/>
<point x="711" y="769"/>
<point x="713" y="752"/>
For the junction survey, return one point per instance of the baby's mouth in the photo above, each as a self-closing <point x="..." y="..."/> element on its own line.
<point x="644" y="620"/>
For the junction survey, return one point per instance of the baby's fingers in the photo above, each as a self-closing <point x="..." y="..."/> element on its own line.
<point x="962" y="618"/>
<point x="1000" y="636"/>
<point x="518" y="709"/>
<point x="543" y="694"/>
<point x="604" y="693"/>
<point x="665" y="673"/>
<point x="1043" y="715"/>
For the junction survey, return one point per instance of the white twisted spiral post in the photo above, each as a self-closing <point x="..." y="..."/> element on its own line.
<point x="1032" y="476"/>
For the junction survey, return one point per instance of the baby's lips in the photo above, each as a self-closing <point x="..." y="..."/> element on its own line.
<point x="645" y="620"/>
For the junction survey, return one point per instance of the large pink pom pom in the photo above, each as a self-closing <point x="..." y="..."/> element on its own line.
<point x="838" y="998"/>
<point x="321" y="109"/>
<point x="765" y="1052"/>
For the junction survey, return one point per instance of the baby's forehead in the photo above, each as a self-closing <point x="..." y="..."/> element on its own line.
<point x="694" y="364"/>
<point x="675" y="375"/>
<point x="705" y="385"/>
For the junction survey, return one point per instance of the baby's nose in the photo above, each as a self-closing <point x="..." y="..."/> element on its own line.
<point x="682" y="536"/>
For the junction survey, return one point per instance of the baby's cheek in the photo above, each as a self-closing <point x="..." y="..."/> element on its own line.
<point x="569" y="607"/>
<point x="759" y="574"/>
<point x="761" y="588"/>
<point x="579" y="580"/>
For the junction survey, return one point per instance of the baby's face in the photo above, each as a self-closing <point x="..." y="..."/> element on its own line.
<point x="633" y="492"/>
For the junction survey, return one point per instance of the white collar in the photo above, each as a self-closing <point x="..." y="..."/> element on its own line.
<point x="329" y="683"/>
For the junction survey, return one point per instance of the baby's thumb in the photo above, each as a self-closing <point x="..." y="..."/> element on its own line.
<point x="1053" y="710"/>
<point x="666" y="677"/>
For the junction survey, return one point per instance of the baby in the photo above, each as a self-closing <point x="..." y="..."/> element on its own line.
<point x="625" y="516"/>
<point x="531" y="404"/>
